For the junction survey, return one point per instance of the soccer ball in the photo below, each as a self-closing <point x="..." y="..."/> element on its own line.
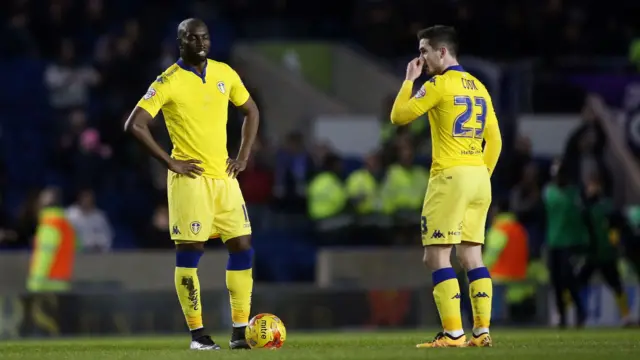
<point x="265" y="331"/>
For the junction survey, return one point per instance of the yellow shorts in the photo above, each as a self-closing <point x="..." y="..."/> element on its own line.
<point x="204" y="208"/>
<point x="456" y="205"/>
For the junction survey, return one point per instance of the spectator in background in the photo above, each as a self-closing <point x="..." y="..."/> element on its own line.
<point x="364" y="190"/>
<point x="329" y="204"/>
<point x="525" y="198"/>
<point x="566" y="237"/>
<point x="69" y="82"/>
<point x="319" y="152"/>
<point x="520" y="158"/>
<point x="403" y="192"/>
<point x="91" y="159"/>
<point x="157" y="235"/>
<point x="69" y="140"/>
<point x="526" y="203"/>
<point x="586" y="149"/>
<point x="54" y="246"/>
<point x="603" y="225"/>
<point x="294" y="167"/>
<point x="91" y="224"/>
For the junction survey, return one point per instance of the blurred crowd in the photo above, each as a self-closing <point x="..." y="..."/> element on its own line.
<point x="91" y="62"/>
<point x="98" y="58"/>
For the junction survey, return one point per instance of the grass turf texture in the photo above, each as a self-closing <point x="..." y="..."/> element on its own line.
<point x="608" y="344"/>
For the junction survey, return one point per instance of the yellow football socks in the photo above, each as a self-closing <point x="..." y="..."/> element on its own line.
<point x="481" y="293"/>
<point x="188" y="289"/>
<point x="446" y="292"/>
<point x="240" y="285"/>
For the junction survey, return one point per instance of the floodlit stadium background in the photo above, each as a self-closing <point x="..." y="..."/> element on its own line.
<point x="324" y="75"/>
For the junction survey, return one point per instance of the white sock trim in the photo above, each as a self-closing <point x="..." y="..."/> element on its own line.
<point x="455" y="333"/>
<point x="240" y="325"/>
<point x="480" y="331"/>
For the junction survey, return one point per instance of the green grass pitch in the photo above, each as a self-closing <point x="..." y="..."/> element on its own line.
<point x="607" y="344"/>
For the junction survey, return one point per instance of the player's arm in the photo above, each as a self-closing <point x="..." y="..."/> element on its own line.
<point x="493" y="138"/>
<point x="406" y="108"/>
<point x="241" y="98"/>
<point x="138" y="125"/>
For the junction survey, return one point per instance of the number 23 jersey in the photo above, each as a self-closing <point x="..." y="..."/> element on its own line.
<point x="460" y="114"/>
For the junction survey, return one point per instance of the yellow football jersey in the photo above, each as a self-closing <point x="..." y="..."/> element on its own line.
<point x="461" y="115"/>
<point x="195" y="109"/>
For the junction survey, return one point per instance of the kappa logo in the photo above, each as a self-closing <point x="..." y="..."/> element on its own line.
<point x="421" y="93"/>
<point x="150" y="93"/>
<point x="196" y="227"/>
<point x="456" y="296"/>
<point x="437" y="234"/>
<point x="221" y="87"/>
<point x="481" y="294"/>
<point x="176" y="230"/>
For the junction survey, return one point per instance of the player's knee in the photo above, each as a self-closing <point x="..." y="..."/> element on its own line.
<point x="190" y="246"/>
<point x="437" y="256"/>
<point x="242" y="260"/>
<point x="469" y="256"/>
<point x="238" y="244"/>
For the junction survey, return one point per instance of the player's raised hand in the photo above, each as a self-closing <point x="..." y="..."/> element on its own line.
<point x="235" y="166"/>
<point x="186" y="167"/>
<point x="414" y="68"/>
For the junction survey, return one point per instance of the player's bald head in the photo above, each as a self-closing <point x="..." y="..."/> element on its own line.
<point x="189" y="26"/>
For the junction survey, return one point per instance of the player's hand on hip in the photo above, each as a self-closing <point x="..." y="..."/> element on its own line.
<point x="186" y="167"/>
<point x="235" y="166"/>
<point x="414" y="68"/>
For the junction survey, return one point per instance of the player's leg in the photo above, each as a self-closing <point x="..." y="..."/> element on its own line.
<point x="240" y="285"/>
<point x="572" y="284"/>
<point x="585" y="273"/>
<point x="480" y="290"/>
<point x="469" y="253"/>
<point x="188" y="209"/>
<point x="558" y="283"/>
<point x="441" y="217"/>
<point x="232" y="223"/>
<point x="612" y="277"/>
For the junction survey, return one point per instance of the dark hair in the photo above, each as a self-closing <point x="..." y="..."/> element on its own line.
<point x="441" y="35"/>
